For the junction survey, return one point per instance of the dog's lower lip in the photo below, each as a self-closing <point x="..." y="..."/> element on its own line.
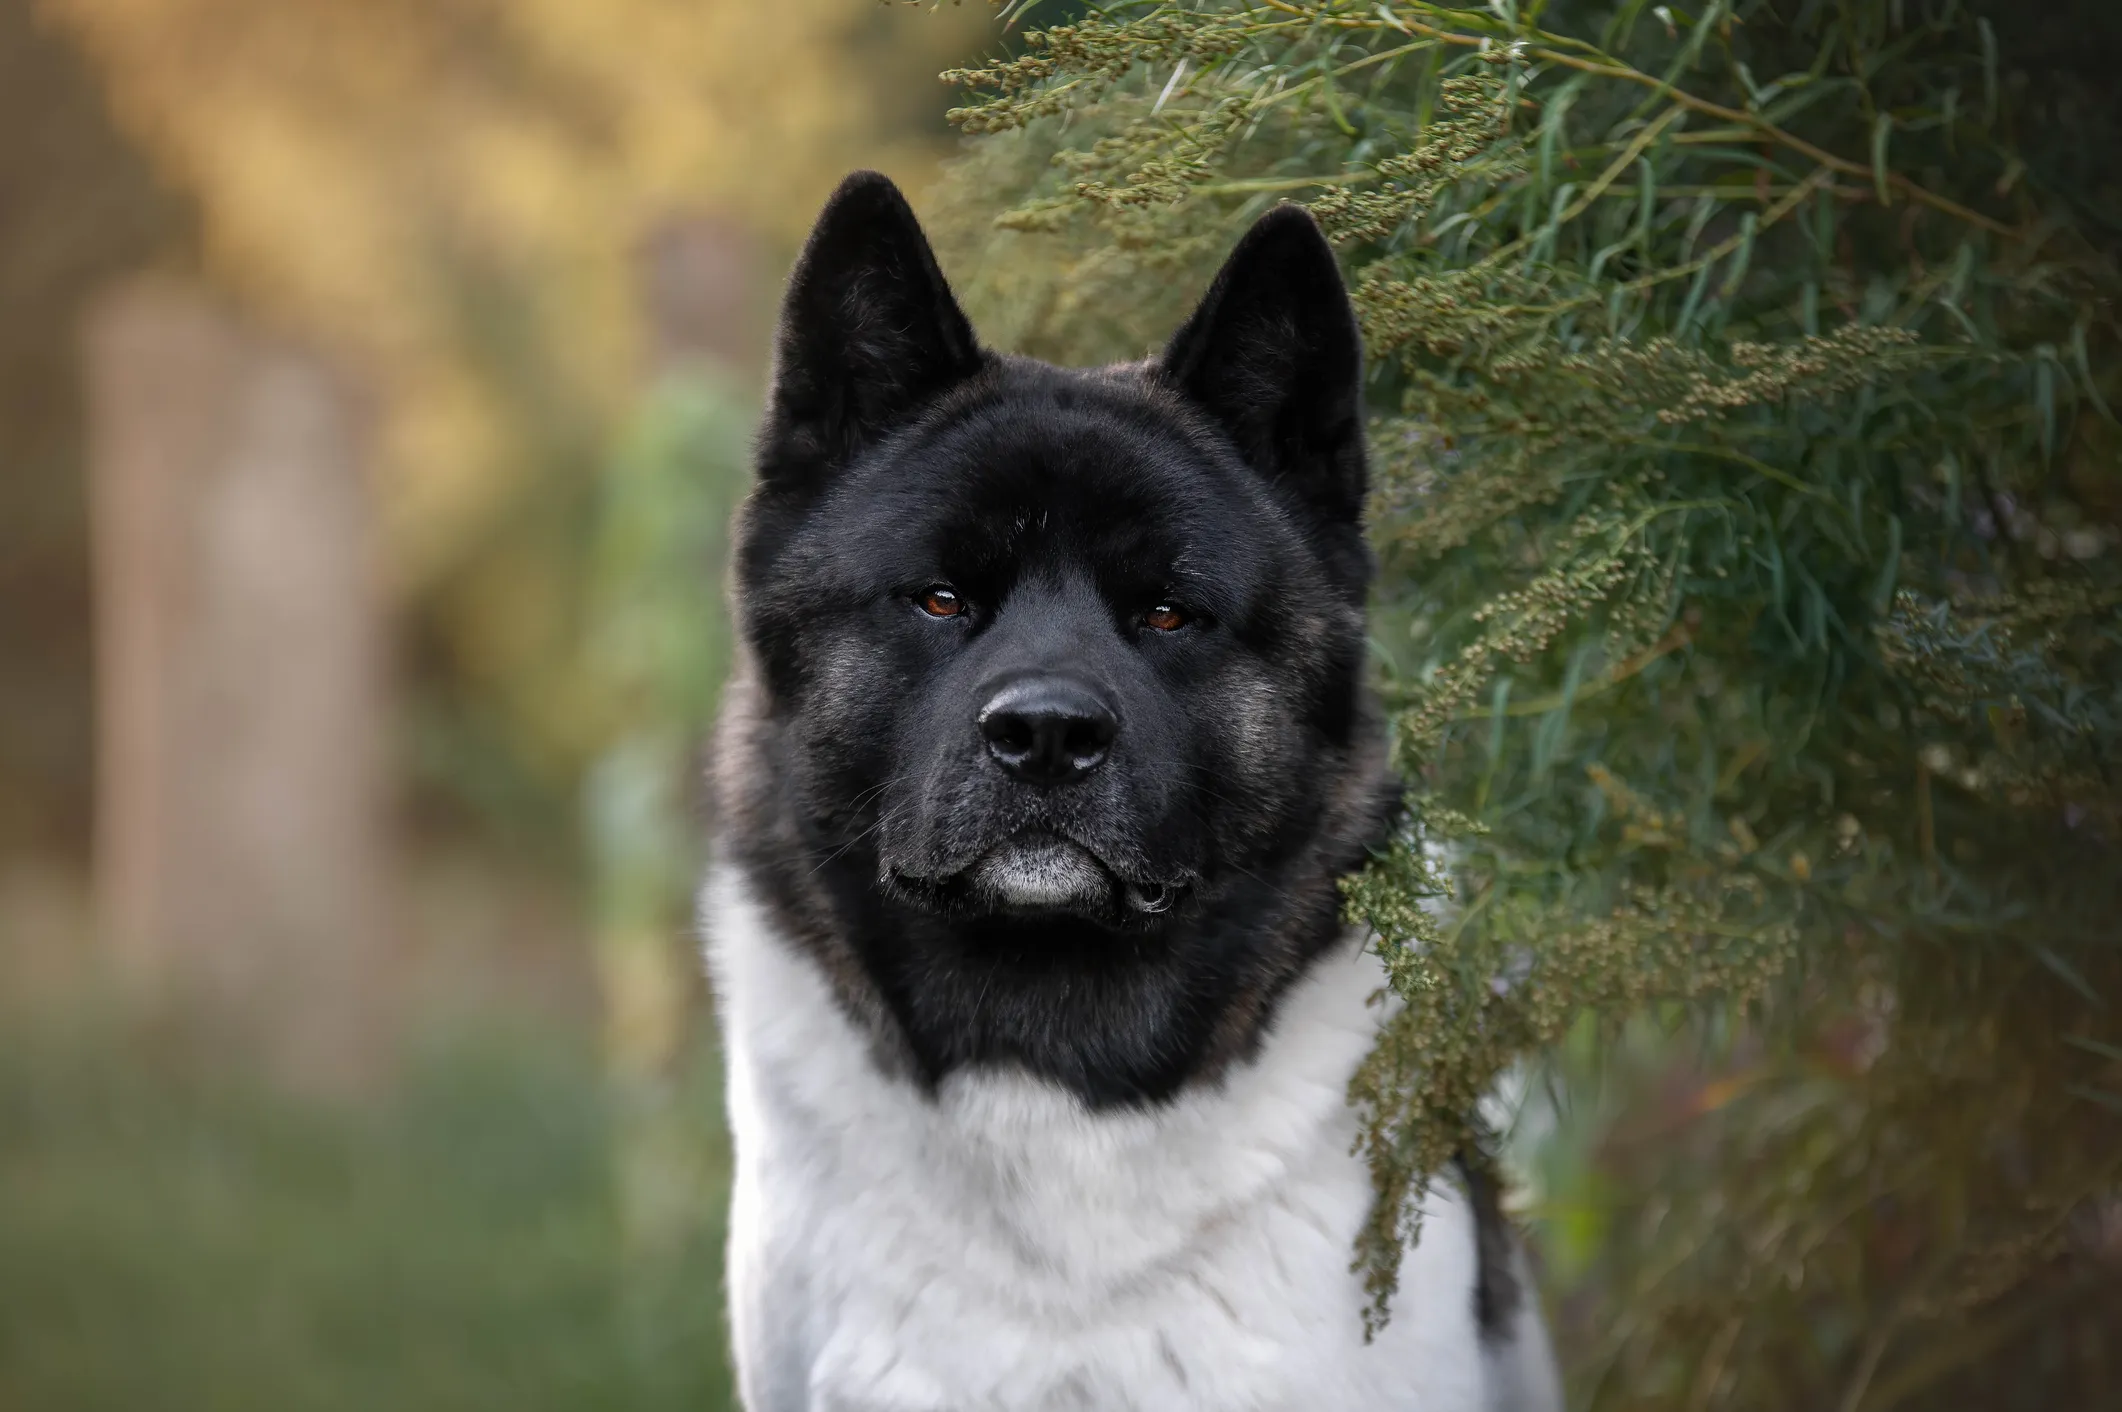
<point x="1037" y="870"/>
<point x="1043" y="870"/>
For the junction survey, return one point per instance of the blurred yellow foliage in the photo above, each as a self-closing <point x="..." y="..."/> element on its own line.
<point x="353" y="158"/>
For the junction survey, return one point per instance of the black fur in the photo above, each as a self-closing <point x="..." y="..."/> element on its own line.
<point x="1496" y="1291"/>
<point x="1225" y="479"/>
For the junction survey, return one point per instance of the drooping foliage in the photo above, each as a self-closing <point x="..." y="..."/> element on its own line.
<point x="1748" y="491"/>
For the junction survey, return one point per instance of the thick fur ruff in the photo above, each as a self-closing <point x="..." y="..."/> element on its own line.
<point x="998" y="1245"/>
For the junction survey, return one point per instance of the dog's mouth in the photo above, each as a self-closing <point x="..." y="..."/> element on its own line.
<point x="1041" y="873"/>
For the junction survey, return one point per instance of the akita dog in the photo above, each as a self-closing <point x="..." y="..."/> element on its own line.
<point x="1050" y="740"/>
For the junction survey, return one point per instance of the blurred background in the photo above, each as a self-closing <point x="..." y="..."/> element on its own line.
<point x="375" y="382"/>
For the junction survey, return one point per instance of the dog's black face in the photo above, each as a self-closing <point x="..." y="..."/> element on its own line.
<point x="1055" y="740"/>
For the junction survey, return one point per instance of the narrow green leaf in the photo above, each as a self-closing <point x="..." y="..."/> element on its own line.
<point x="2045" y="399"/>
<point x="1989" y="72"/>
<point x="1963" y="268"/>
<point x="1543" y="246"/>
<point x="1554" y="126"/>
<point x="1498" y="727"/>
<point x="1646" y="202"/>
<point x="1823" y="225"/>
<point x="2094" y="1046"/>
<point x="1622" y="27"/>
<point x="1694" y="300"/>
<point x="1882" y="590"/>
<point x="2068" y="974"/>
<point x="1705" y="207"/>
<point x="1327" y="93"/>
<point x="2085" y="368"/>
<point x="1882" y="128"/>
<point x="1743" y="256"/>
<point x="2110" y="1101"/>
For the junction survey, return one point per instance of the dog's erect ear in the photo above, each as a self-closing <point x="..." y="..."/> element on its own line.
<point x="1273" y="353"/>
<point x="869" y="335"/>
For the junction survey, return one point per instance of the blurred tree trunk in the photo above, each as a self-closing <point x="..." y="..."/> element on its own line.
<point x="241" y="835"/>
<point x="83" y="206"/>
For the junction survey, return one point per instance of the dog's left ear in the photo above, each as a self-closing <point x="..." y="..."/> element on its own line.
<point x="1273" y="353"/>
<point x="869" y="336"/>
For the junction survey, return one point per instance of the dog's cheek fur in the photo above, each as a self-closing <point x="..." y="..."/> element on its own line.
<point x="1289" y="712"/>
<point x="842" y="730"/>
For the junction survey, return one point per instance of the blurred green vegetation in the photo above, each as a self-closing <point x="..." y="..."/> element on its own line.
<point x="176" y="1234"/>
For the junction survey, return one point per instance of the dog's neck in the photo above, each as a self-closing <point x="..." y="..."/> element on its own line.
<point x="1095" y="1195"/>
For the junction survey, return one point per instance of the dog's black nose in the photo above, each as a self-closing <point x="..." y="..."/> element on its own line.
<point x="1048" y="730"/>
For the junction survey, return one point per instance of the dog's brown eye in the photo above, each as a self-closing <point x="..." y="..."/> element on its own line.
<point x="1165" y="618"/>
<point x="940" y="602"/>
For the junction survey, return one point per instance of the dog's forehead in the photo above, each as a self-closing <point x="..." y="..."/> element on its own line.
<point x="1092" y="464"/>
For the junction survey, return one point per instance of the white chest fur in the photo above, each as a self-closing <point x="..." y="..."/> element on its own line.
<point x="998" y="1246"/>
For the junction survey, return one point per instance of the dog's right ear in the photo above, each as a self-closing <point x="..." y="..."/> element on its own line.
<point x="869" y="335"/>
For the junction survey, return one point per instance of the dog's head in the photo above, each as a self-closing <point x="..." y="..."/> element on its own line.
<point x="1057" y="675"/>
